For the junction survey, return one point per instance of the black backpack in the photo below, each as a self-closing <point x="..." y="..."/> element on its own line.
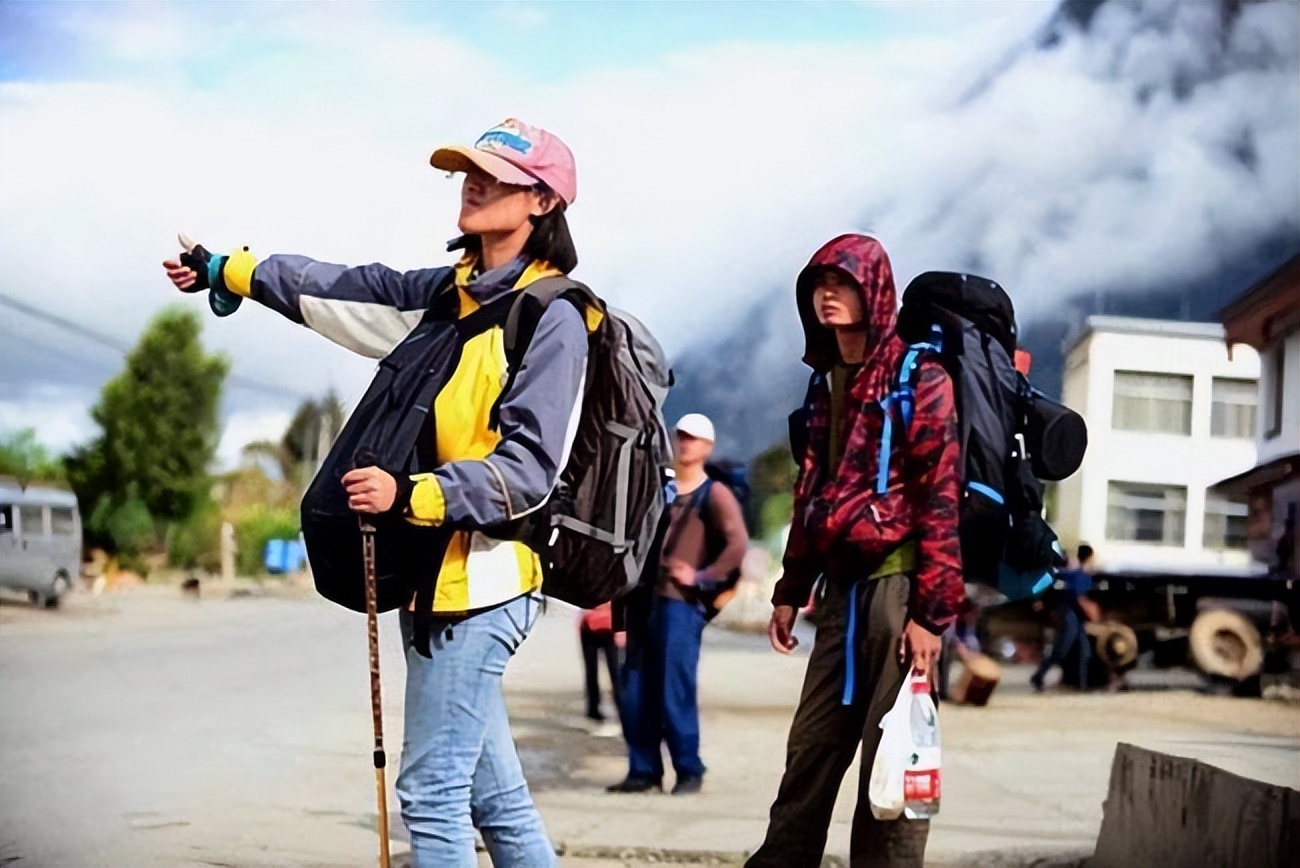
<point x="1011" y="435"/>
<point x="598" y="525"/>
<point x="598" y="529"/>
<point x="735" y="475"/>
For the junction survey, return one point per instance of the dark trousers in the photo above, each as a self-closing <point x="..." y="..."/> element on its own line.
<point x="825" y="734"/>
<point x="659" y="697"/>
<point x="1068" y="632"/>
<point x="594" y="644"/>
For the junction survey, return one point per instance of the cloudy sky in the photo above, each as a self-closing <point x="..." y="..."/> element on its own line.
<point x="717" y="145"/>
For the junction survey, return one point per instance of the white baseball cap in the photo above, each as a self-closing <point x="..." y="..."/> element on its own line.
<point x="696" y="425"/>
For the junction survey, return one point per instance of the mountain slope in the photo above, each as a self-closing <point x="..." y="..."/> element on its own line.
<point x="1132" y="158"/>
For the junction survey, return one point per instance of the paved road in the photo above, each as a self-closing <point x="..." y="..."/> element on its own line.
<point x="139" y="728"/>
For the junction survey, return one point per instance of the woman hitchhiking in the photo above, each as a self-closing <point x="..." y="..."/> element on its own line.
<point x="499" y="443"/>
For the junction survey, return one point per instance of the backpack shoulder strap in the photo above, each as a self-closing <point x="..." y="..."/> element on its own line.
<point x="910" y="369"/>
<point x="525" y="313"/>
<point x="698" y="497"/>
<point x="700" y="502"/>
<point x="708" y="512"/>
<point x="532" y="301"/>
<point x="903" y="400"/>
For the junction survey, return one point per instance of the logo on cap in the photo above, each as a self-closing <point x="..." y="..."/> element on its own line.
<point x="504" y="136"/>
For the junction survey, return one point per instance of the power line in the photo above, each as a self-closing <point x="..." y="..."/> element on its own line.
<point x="114" y="344"/>
<point x="68" y="325"/>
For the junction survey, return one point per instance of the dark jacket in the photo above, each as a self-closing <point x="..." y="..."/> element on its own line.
<point x="842" y="527"/>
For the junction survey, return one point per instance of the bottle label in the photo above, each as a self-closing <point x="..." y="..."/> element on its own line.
<point x="921" y="785"/>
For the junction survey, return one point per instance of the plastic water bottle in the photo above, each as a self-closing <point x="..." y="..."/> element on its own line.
<point x="921" y="778"/>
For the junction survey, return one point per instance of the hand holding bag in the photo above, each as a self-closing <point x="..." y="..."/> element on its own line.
<point x="886" y="789"/>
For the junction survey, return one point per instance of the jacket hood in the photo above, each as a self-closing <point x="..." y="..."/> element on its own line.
<point x="864" y="259"/>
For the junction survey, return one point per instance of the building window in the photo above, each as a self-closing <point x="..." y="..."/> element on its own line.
<point x="1233" y="412"/>
<point x="1277" y="394"/>
<point x="1146" y="513"/>
<point x="1225" y="523"/>
<point x="1152" y="402"/>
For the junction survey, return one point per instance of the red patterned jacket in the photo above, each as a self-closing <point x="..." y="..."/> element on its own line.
<point x="842" y="527"/>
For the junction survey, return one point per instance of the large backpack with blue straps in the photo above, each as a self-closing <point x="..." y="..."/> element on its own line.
<point x="968" y="323"/>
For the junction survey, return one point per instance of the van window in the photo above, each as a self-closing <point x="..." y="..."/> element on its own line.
<point x="62" y="520"/>
<point x="6" y="518"/>
<point x="31" y="521"/>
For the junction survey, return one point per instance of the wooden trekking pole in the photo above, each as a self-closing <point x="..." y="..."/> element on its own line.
<point x="376" y="702"/>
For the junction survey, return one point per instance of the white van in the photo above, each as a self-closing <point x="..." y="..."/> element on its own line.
<point x="40" y="541"/>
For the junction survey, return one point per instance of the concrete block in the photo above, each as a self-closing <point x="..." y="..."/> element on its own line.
<point x="1175" y="812"/>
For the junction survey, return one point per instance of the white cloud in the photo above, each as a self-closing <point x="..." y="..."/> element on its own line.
<point x="706" y="177"/>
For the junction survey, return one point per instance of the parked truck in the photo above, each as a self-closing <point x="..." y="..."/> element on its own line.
<point x="1230" y="625"/>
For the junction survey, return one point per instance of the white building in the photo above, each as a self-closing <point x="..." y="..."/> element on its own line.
<point x="1170" y="413"/>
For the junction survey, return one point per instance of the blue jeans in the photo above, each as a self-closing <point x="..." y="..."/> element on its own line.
<point x="460" y="769"/>
<point x="659" y="699"/>
<point x="1070" y="632"/>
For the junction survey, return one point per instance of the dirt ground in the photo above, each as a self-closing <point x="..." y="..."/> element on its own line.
<point x="143" y="728"/>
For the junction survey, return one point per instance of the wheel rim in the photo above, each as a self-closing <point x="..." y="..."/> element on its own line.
<point x="1229" y="647"/>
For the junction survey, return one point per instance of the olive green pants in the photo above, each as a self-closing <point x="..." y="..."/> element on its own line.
<point x="825" y="734"/>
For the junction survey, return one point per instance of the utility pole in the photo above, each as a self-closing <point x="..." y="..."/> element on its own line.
<point x="227" y="552"/>
<point x="324" y="436"/>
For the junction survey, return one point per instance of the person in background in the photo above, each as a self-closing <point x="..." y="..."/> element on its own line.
<point x="890" y="560"/>
<point x="596" y="636"/>
<point x="959" y="641"/>
<point x="704" y="542"/>
<point x="1070" y="609"/>
<point x="1286" y="543"/>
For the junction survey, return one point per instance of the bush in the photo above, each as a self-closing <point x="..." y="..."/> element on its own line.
<point x="196" y="542"/>
<point x="775" y="514"/>
<point x="124" y="522"/>
<point x="258" y="524"/>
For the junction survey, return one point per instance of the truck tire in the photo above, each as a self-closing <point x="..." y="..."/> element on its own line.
<point x="51" y="597"/>
<point x="1116" y="644"/>
<point x="1226" y="644"/>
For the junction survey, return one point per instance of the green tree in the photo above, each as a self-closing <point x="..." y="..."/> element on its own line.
<point x="159" y="433"/>
<point x="772" y="474"/>
<point x="23" y="457"/>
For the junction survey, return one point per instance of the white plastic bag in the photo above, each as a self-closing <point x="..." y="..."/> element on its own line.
<point x="905" y="772"/>
<point x="886" y="789"/>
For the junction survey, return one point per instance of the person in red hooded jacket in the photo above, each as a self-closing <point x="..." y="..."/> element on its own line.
<point x="890" y="560"/>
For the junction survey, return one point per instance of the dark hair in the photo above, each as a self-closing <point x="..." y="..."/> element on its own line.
<point x="550" y="239"/>
<point x="1084" y="553"/>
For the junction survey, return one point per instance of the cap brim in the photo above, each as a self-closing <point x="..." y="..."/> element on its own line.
<point x="697" y="434"/>
<point x="457" y="158"/>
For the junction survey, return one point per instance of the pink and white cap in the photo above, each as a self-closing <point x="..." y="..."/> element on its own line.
<point x="515" y="153"/>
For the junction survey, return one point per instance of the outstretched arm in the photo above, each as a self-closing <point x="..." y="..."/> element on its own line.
<point x="369" y="309"/>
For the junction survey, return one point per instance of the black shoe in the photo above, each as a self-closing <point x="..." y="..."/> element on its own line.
<point x="685" y="786"/>
<point x="632" y="784"/>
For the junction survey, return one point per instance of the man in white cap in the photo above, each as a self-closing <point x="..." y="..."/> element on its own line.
<point x="704" y="541"/>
